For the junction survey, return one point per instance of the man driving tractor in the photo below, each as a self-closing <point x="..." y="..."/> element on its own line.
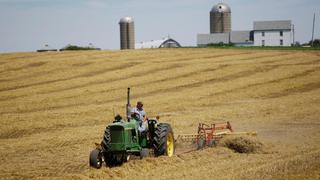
<point x="140" y="115"/>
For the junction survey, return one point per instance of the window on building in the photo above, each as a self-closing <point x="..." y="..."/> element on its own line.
<point x="262" y="33"/>
<point x="281" y="33"/>
<point x="263" y="42"/>
<point x="281" y="42"/>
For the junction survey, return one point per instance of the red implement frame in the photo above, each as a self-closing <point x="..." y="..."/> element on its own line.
<point x="209" y="135"/>
<point x="213" y="132"/>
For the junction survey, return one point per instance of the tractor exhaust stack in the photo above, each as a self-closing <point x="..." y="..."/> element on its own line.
<point x="128" y="107"/>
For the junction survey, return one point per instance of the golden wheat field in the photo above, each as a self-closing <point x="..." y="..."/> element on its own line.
<point x="55" y="106"/>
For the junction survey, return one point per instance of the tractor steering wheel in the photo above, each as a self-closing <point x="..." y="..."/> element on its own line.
<point x="135" y="116"/>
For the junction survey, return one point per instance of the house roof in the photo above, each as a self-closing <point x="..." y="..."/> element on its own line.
<point x="153" y="43"/>
<point x="272" y="25"/>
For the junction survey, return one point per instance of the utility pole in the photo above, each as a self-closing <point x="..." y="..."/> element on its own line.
<point x="314" y="20"/>
<point x="293" y="40"/>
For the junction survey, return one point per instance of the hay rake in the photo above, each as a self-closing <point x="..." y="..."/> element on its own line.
<point x="209" y="135"/>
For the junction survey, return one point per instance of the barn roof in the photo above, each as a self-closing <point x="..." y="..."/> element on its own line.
<point x="153" y="43"/>
<point x="272" y="25"/>
<point x="236" y="37"/>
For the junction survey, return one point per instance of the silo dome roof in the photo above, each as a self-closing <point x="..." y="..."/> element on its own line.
<point x="221" y="8"/>
<point x="126" y="19"/>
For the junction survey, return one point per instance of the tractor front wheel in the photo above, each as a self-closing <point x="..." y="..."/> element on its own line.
<point x="95" y="159"/>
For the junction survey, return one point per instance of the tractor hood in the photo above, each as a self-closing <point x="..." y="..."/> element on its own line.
<point x="124" y="136"/>
<point x="124" y="124"/>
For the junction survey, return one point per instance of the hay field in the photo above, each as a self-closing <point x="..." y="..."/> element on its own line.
<point x="55" y="106"/>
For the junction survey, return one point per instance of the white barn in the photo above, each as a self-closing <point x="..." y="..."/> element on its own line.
<point x="272" y="33"/>
<point x="163" y="43"/>
<point x="238" y="38"/>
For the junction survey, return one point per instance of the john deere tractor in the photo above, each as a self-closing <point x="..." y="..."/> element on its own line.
<point x="122" y="139"/>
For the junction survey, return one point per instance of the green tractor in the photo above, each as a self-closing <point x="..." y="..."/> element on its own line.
<point x="122" y="139"/>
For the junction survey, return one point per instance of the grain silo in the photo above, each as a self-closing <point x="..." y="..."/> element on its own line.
<point x="127" y="33"/>
<point x="220" y="19"/>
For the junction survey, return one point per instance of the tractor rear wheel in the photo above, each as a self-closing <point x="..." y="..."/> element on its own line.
<point x="163" y="141"/>
<point x="95" y="159"/>
<point x="106" y="139"/>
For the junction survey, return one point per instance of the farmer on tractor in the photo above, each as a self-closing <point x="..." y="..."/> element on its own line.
<point x="139" y="113"/>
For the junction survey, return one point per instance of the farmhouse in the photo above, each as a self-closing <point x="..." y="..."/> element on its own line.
<point x="272" y="33"/>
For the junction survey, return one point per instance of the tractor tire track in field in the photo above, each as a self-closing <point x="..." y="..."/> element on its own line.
<point x="211" y="57"/>
<point x="222" y="79"/>
<point x="31" y="65"/>
<point x="82" y="64"/>
<point x="166" y="79"/>
<point x="216" y="80"/>
<point x="41" y="73"/>
<point x="2" y="63"/>
<point x="253" y="58"/>
<point x="75" y="87"/>
<point x="154" y="92"/>
<point x="295" y="90"/>
<point x="136" y="74"/>
<point x="122" y="78"/>
<point x="88" y="74"/>
<point x="74" y="65"/>
<point x="64" y="79"/>
<point x="173" y="89"/>
<point x="186" y="75"/>
<point x="312" y="62"/>
<point x="299" y="75"/>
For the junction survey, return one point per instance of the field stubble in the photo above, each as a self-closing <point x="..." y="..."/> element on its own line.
<point x="54" y="106"/>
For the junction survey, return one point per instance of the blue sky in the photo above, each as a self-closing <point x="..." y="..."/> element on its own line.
<point x="26" y="25"/>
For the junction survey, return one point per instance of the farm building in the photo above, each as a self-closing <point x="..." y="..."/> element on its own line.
<point x="238" y="38"/>
<point x="127" y="34"/>
<point x="163" y="43"/>
<point x="272" y="33"/>
<point x="220" y="18"/>
<point x="264" y="33"/>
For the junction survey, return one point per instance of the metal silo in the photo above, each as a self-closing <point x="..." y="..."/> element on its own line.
<point x="127" y="40"/>
<point x="220" y="19"/>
